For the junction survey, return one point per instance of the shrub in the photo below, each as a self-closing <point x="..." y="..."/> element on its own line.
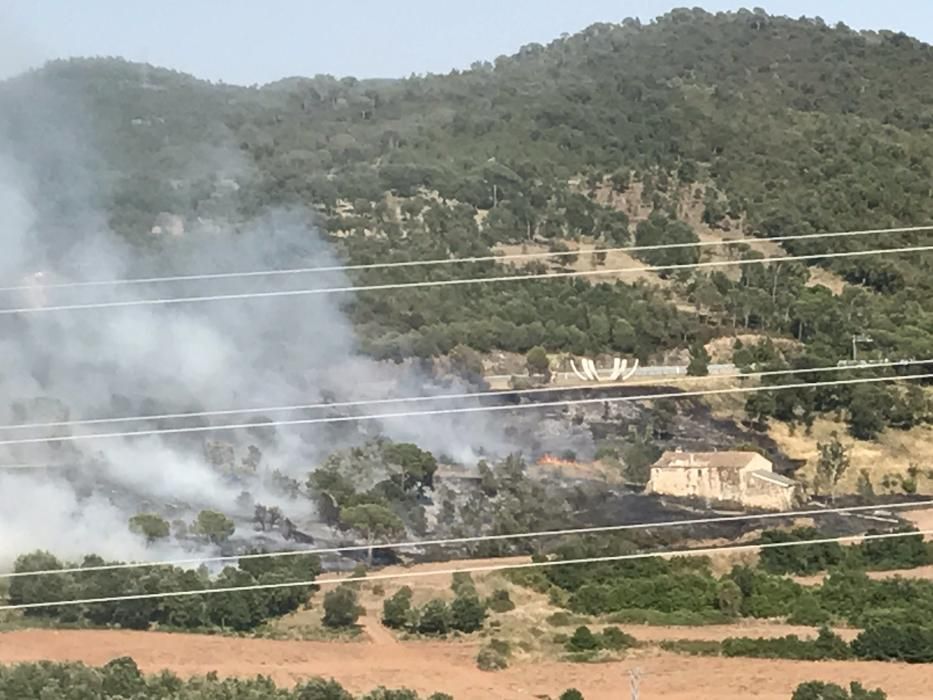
<point x="396" y="610"/>
<point x="488" y="659"/>
<point x="467" y="613"/>
<point x="817" y="690"/>
<point x="807" y="611"/>
<point x="827" y="645"/>
<point x="562" y="618"/>
<point x="693" y="647"/>
<point x="801" y="559"/>
<point x="321" y="689"/>
<point x="500" y="601"/>
<point x="390" y="694"/>
<point x="462" y="583"/>
<point x="912" y="643"/>
<point x="729" y="598"/>
<point x="500" y="645"/>
<point x="571" y="694"/>
<point x="341" y="607"/>
<point x="615" y="639"/>
<point x="151" y="526"/>
<point x="894" y="553"/>
<point x="434" y="618"/>
<point x="583" y="640"/>
<point x="895" y="616"/>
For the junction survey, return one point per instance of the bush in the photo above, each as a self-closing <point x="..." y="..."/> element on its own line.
<point x="817" y="690"/>
<point x="359" y="571"/>
<point x="562" y="618"/>
<point x="467" y="613"/>
<point x="800" y="559"/>
<point x="149" y="525"/>
<point x="807" y="611"/>
<point x="693" y="647"/>
<point x="537" y="362"/>
<point x="396" y="610"/>
<point x="390" y="694"/>
<point x="912" y="643"/>
<point x="729" y="598"/>
<point x="434" y="618"/>
<point x="571" y="694"/>
<point x="489" y="659"/>
<point x="894" y="553"/>
<point x="121" y="678"/>
<point x="615" y="639"/>
<point x="827" y="645"/>
<point x="462" y="583"/>
<point x="321" y="689"/>
<point x="500" y="601"/>
<point x="341" y="607"/>
<point x="583" y="640"/>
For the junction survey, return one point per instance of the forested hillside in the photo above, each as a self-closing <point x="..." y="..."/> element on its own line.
<point x="720" y="122"/>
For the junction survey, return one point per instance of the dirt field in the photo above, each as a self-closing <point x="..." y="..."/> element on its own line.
<point x="449" y="667"/>
<point x="378" y="657"/>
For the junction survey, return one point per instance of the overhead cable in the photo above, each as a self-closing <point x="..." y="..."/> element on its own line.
<point x="461" y="260"/>
<point x="450" y="397"/>
<point x="458" y="410"/>
<point x="449" y="541"/>
<point x="706" y="551"/>
<point x="453" y="282"/>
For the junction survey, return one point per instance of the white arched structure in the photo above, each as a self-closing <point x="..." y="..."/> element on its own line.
<point x="619" y="372"/>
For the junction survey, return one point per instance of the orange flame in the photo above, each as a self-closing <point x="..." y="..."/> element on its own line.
<point x="555" y="461"/>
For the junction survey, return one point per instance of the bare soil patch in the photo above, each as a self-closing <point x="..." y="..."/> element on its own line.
<point x="615" y="260"/>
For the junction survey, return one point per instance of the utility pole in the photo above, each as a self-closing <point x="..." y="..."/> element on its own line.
<point x="634" y="679"/>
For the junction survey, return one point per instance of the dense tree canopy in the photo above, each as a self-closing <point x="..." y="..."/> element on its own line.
<point x="773" y="125"/>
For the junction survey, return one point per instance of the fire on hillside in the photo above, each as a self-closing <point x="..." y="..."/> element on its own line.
<point x="550" y="460"/>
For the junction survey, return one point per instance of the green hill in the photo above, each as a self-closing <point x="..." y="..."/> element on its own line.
<point x="713" y="122"/>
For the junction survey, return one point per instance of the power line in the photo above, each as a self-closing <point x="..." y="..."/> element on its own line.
<point x="464" y="409"/>
<point x="706" y="551"/>
<point x="451" y="261"/>
<point x="446" y="542"/>
<point x="456" y="282"/>
<point x="449" y="397"/>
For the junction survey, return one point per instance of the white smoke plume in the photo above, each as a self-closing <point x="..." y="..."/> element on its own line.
<point x="156" y="359"/>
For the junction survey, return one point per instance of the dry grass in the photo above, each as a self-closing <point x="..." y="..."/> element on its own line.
<point x="615" y="260"/>
<point x="824" y="278"/>
<point x="720" y="349"/>
<point x="892" y="453"/>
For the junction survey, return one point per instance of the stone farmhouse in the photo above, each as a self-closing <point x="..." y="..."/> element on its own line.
<point x="746" y="478"/>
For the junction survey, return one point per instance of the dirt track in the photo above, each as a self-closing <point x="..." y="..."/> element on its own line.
<point x="449" y="666"/>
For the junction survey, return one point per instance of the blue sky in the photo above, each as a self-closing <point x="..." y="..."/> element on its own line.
<point x="249" y="41"/>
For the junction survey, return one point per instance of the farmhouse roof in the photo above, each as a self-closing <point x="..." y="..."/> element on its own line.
<point x="771" y="477"/>
<point x="684" y="460"/>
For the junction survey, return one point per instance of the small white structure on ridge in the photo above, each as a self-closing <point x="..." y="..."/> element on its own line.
<point x="619" y="371"/>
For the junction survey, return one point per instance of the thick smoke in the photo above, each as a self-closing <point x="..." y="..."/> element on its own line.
<point x="150" y="360"/>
